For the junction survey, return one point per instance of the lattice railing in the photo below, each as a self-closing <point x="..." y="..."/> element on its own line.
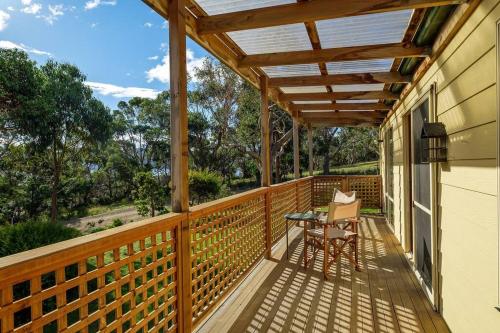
<point x="368" y="189"/>
<point x="227" y="238"/>
<point x="304" y="194"/>
<point x="115" y="280"/>
<point x="160" y="275"/>
<point x="283" y="200"/>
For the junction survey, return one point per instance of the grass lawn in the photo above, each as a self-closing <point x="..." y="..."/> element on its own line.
<point x="364" y="168"/>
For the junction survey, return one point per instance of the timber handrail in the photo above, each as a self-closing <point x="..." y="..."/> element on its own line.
<point x="45" y="257"/>
<point x="140" y="274"/>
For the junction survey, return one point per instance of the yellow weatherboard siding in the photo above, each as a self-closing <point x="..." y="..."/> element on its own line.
<point x="466" y="102"/>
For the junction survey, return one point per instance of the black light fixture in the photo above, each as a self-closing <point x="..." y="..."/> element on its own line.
<point x="434" y="139"/>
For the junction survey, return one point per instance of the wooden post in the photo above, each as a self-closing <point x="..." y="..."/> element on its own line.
<point x="296" y="162"/>
<point x="310" y="146"/>
<point x="264" y="123"/>
<point x="179" y="151"/>
<point x="266" y="158"/>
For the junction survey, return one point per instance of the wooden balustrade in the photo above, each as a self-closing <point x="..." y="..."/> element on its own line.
<point x="368" y="189"/>
<point x="139" y="278"/>
<point x="118" y="279"/>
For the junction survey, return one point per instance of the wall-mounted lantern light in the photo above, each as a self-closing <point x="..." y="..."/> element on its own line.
<point x="434" y="139"/>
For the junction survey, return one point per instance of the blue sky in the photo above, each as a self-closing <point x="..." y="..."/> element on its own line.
<point x="121" y="45"/>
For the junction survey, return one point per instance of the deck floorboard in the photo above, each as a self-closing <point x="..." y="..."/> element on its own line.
<point x="280" y="296"/>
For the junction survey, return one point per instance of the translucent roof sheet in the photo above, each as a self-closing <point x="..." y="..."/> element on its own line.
<point x="292" y="70"/>
<point x="364" y="29"/>
<point x="310" y="102"/>
<point x="283" y="38"/>
<point x="358" y="87"/>
<point x="214" y="7"/>
<point x="360" y="66"/>
<point x="348" y="101"/>
<point x="311" y="89"/>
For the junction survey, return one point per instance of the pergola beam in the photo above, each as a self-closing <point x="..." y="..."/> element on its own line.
<point x="217" y="45"/>
<point x="339" y="79"/>
<point x="366" y="52"/>
<point x="339" y="96"/>
<point x="342" y="106"/>
<point x="330" y="115"/>
<point x="307" y="12"/>
<point x="343" y="123"/>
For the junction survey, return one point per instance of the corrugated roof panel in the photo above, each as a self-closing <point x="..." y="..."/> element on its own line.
<point x="214" y="7"/>
<point x="359" y="66"/>
<point x="311" y="102"/>
<point x="370" y="29"/>
<point x="292" y="70"/>
<point x="283" y="38"/>
<point x="352" y="101"/>
<point x="358" y="87"/>
<point x="311" y="89"/>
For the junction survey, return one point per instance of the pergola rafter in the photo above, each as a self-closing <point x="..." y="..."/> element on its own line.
<point x="210" y="31"/>
<point x="339" y="79"/>
<point x="351" y="53"/>
<point x="306" y="12"/>
<point x="345" y="95"/>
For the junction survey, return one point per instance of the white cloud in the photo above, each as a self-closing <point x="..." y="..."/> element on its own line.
<point x="34" y="8"/>
<point x="148" y="24"/>
<point x="26" y="2"/>
<point x="107" y="89"/>
<point x="94" y="25"/>
<point x="5" y="44"/>
<point x="96" y="3"/>
<point x="55" y="12"/>
<point x="10" y="8"/>
<point x="4" y="18"/>
<point x="153" y="58"/>
<point x="161" y="72"/>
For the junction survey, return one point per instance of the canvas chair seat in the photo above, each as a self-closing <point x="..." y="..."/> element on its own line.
<point x="331" y="233"/>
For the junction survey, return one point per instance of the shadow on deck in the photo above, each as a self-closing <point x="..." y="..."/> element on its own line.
<point x="280" y="296"/>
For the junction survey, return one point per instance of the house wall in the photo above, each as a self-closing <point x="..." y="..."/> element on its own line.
<point x="468" y="240"/>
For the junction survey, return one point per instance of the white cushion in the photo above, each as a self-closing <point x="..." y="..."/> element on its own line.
<point x="341" y="197"/>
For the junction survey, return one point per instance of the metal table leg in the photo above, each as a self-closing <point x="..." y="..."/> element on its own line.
<point x="286" y="226"/>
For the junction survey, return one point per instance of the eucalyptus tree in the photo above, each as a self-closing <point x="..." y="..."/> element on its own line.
<point x="62" y="120"/>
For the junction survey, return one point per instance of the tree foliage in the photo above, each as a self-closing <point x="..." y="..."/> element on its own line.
<point x="62" y="151"/>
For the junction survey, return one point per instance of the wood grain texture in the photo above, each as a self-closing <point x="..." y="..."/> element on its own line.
<point x="281" y="296"/>
<point x="139" y="275"/>
<point x="367" y="52"/>
<point x="266" y="138"/>
<point x="342" y="106"/>
<point x="178" y="101"/>
<point x="332" y="96"/>
<point x="339" y="79"/>
<point x="306" y="12"/>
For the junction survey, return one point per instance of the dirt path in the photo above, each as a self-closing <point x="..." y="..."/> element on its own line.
<point x="126" y="214"/>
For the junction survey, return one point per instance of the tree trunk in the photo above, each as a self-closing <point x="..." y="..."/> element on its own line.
<point x="55" y="186"/>
<point x="326" y="164"/>
<point x="278" y="169"/>
<point x="258" y="176"/>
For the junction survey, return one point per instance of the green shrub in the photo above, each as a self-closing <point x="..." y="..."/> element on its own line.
<point x="30" y="235"/>
<point x="117" y="223"/>
<point x="94" y="230"/>
<point x="150" y="196"/>
<point x="204" y="184"/>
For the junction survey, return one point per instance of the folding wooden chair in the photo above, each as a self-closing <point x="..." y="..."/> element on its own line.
<point x="335" y="241"/>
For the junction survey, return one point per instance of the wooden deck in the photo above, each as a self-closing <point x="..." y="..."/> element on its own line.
<point x="279" y="296"/>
